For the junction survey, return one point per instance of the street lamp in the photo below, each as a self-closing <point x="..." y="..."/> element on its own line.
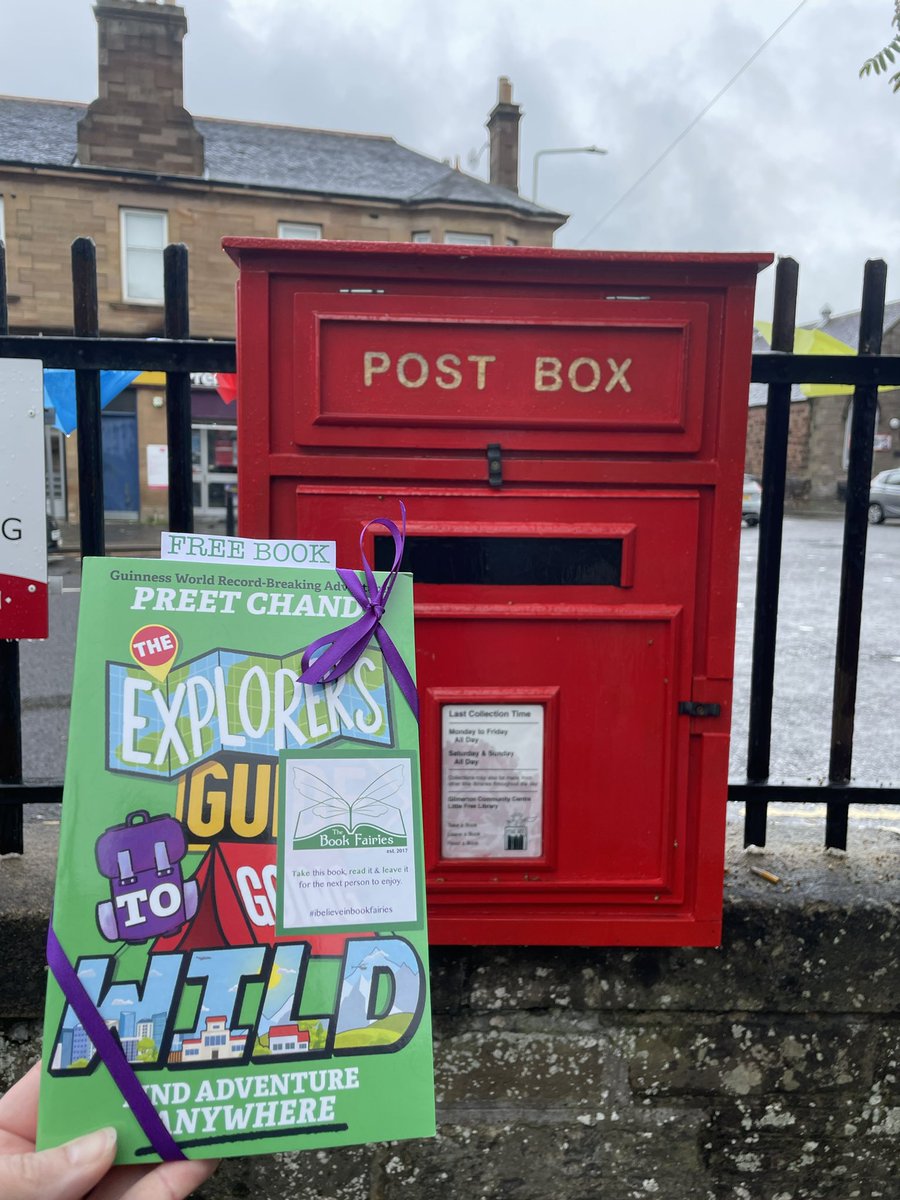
<point x="566" y="150"/>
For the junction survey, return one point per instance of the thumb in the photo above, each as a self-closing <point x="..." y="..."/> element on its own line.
<point x="66" y="1172"/>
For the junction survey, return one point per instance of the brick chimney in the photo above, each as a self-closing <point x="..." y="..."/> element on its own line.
<point x="503" y="126"/>
<point x="138" y="121"/>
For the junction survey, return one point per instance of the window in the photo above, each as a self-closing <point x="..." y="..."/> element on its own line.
<point x="144" y="236"/>
<point x="468" y="239"/>
<point x="295" y="230"/>
<point x="421" y="235"/>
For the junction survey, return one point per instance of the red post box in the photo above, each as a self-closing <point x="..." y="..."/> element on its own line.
<point x="567" y="431"/>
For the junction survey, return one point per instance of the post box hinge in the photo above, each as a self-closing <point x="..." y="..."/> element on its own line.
<point x="694" y="708"/>
<point x="495" y="465"/>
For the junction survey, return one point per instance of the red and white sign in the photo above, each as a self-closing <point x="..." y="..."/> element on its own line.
<point x="23" y="520"/>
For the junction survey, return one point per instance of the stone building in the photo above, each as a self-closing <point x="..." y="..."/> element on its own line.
<point x="819" y="437"/>
<point x="134" y="170"/>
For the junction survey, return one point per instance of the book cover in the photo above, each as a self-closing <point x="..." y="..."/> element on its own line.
<point x="240" y="889"/>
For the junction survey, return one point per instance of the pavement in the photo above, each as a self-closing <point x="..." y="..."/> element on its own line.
<point x="125" y="537"/>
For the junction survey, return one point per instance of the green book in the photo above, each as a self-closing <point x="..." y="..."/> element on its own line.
<point x="240" y="890"/>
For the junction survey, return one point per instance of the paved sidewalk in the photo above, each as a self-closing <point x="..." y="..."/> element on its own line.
<point x="131" y="537"/>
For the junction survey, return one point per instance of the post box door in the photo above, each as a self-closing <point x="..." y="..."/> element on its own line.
<point x="555" y="643"/>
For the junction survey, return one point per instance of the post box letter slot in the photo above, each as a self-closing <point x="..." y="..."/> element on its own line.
<point x="507" y="561"/>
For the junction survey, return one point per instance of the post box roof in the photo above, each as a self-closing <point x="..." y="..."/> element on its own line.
<point x="563" y="261"/>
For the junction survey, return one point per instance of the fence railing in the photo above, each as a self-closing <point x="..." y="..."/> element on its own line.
<point x="178" y="355"/>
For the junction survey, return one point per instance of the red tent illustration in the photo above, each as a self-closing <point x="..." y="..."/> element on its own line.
<point x="235" y="905"/>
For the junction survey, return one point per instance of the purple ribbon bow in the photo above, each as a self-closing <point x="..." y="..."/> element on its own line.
<point x="110" y="1051"/>
<point x="340" y="651"/>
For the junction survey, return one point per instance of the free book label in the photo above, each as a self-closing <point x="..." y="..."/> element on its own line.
<point x="492" y="780"/>
<point x="248" y="552"/>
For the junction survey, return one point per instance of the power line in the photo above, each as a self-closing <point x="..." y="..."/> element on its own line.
<point x="699" y="117"/>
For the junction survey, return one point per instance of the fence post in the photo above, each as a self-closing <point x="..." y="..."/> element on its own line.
<point x="853" y="562"/>
<point x="87" y="402"/>
<point x="768" y="560"/>
<point x="178" y="393"/>
<point x="11" y="823"/>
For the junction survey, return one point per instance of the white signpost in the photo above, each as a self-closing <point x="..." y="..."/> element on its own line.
<point x="23" y="520"/>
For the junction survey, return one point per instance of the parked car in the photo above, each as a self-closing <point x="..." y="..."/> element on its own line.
<point x="884" y="496"/>
<point x="752" y="500"/>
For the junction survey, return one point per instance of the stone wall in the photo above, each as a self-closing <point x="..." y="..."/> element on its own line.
<point x="816" y="475"/>
<point x="45" y="212"/>
<point x="764" y="1070"/>
<point x="826" y="446"/>
<point x="798" y="447"/>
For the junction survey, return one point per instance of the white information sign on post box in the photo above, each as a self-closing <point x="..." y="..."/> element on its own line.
<point x="23" y="520"/>
<point x="492" y="780"/>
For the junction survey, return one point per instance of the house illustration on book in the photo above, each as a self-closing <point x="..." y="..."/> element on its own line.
<point x="215" y="1041"/>
<point x="288" y="1039"/>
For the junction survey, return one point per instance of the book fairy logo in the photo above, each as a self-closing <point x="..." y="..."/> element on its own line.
<point x="330" y="820"/>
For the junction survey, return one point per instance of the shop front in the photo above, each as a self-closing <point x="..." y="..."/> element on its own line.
<point x="213" y="447"/>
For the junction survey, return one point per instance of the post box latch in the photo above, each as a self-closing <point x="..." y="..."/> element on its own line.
<point x="495" y="465"/>
<point x="694" y="708"/>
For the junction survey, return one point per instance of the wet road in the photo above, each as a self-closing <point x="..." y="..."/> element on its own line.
<point x="804" y="663"/>
<point x="803" y="675"/>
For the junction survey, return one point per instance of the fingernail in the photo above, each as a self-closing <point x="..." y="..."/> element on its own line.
<point x="91" y="1146"/>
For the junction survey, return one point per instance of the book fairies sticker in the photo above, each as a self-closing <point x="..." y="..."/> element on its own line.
<point x="347" y="853"/>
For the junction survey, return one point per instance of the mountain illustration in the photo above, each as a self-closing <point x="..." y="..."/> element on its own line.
<point x="354" y="1006"/>
<point x="328" y="810"/>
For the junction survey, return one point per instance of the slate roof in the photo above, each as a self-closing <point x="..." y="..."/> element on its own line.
<point x="311" y="161"/>
<point x="845" y="326"/>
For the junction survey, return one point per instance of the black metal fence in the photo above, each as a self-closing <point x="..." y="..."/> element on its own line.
<point x="177" y="355"/>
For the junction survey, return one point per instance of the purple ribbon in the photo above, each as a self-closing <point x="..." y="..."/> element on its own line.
<point x="340" y="651"/>
<point x="110" y="1051"/>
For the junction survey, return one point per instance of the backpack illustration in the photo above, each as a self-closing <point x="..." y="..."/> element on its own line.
<point x="149" y="896"/>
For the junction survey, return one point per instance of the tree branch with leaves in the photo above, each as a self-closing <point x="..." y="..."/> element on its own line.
<point x="879" y="64"/>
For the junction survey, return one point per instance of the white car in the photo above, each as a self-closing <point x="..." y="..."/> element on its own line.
<point x="752" y="500"/>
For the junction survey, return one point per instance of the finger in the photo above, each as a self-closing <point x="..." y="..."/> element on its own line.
<point x="18" y="1108"/>
<point x="168" y="1181"/>
<point x="67" y="1172"/>
<point x="11" y="1143"/>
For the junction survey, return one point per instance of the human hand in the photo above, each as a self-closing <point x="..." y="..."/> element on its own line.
<point x="69" y="1172"/>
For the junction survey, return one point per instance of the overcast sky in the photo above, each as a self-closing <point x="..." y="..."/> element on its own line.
<point x="798" y="157"/>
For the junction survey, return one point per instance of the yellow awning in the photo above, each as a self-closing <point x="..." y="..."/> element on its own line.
<point x="814" y="341"/>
